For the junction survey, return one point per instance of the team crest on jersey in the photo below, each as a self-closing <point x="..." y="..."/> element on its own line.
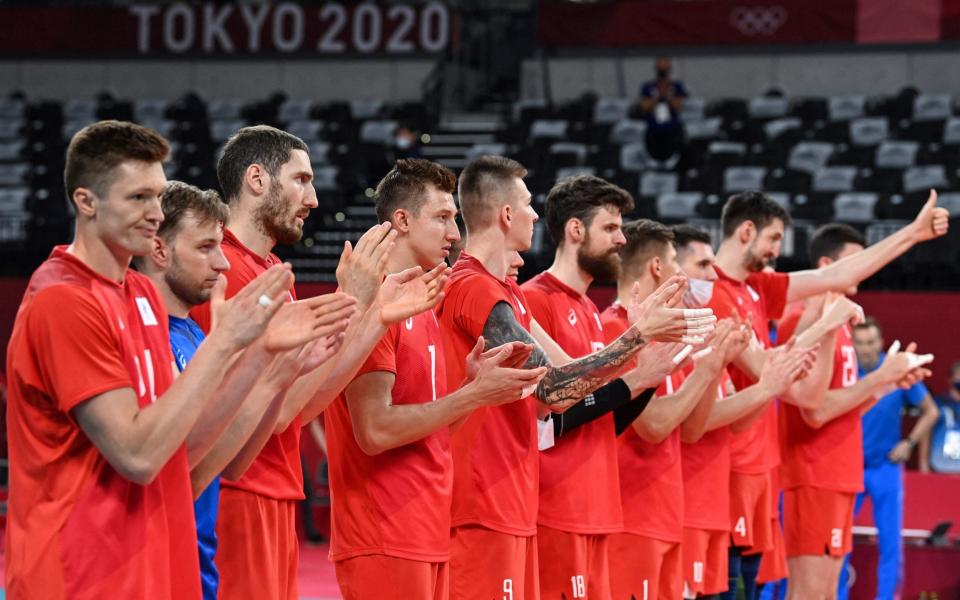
<point x="572" y="317"/>
<point x="146" y="311"/>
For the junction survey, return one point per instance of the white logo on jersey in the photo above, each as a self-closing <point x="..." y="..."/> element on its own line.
<point x="409" y="324"/>
<point x="572" y="317"/>
<point x="120" y="323"/>
<point x="596" y="318"/>
<point x="523" y="311"/>
<point x="146" y="311"/>
<point x="753" y="294"/>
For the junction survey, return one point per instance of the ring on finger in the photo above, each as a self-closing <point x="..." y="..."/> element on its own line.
<point x="264" y="300"/>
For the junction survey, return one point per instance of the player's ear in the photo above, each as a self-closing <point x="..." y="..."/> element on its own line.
<point x="655" y="268"/>
<point x="401" y="220"/>
<point x="255" y="178"/>
<point x="746" y="232"/>
<point x="574" y="230"/>
<point x="506" y="214"/>
<point x="161" y="251"/>
<point x="85" y="202"/>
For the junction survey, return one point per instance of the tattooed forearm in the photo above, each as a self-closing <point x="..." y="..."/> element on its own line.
<point x="575" y="380"/>
<point x="571" y="381"/>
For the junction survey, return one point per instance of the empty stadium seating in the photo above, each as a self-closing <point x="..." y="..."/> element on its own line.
<point x="868" y="161"/>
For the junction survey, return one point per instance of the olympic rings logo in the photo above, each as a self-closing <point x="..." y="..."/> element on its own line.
<point x="758" y="20"/>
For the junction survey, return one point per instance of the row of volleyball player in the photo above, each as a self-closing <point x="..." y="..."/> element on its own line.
<point x="485" y="439"/>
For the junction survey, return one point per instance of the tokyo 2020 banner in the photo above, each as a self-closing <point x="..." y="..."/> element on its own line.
<point x="227" y="29"/>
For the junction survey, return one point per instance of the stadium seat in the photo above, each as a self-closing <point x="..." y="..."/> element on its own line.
<point x="765" y="107"/>
<point x="869" y="131"/>
<point x="932" y="107"/>
<point x="924" y="177"/>
<point x="628" y="130"/>
<point x="693" y="109"/>
<point x="857" y="207"/>
<point x="834" y="179"/>
<point x="654" y="184"/>
<point x="896" y="154"/>
<point x="809" y="156"/>
<point x="742" y="179"/>
<point x="845" y="108"/>
<point x="678" y="205"/>
<point x="607" y="111"/>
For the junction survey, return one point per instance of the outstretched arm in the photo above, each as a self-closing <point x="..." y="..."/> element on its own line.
<point x="931" y="222"/>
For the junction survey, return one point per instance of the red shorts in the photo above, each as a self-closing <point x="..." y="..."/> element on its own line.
<point x="817" y="522"/>
<point x="705" y="561"/>
<point x="751" y="507"/>
<point x="488" y="564"/>
<point x="645" y="568"/>
<point x="391" y="578"/>
<point x="257" y="547"/>
<point x="573" y="564"/>
<point x="773" y="566"/>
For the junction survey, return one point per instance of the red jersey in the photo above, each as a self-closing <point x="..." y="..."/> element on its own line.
<point x="495" y="458"/>
<point x="76" y="528"/>
<point x="275" y="472"/>
<point x="760" y="298"/>
<point x="830" y="457"/>
<point x="588" y="453"/>
<point x="706" y="476"/>
<point x="396" y="503"/>
<point x="651" y="478"/>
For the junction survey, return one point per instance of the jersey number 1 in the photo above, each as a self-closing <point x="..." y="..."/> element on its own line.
<point x="150" y="377"/>
<point x="433" y="368"/>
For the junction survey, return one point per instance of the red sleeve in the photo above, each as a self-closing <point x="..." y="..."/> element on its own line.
<point x="473" y="299"/>
<point x="77" y="355"/>
<point x="539" y="305"/>
<point x="788" y="326"/>
<point x="383" y="357"/>
<point x="773" y="290"/>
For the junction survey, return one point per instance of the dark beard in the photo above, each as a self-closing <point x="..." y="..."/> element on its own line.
<point x="271" y="218"/>
<point x="604" y="267"/>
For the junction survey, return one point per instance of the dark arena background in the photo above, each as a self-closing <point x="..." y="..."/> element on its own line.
<point x="840" y="110"/>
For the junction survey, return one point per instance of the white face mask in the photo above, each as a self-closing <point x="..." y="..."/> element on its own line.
<point x="698" y="293"/>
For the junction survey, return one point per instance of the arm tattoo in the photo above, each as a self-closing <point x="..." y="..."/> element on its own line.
<point x="502" y="328"/>
<point x="571" y="381"/>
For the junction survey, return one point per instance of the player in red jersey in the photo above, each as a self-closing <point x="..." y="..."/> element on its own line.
<point x="822" y="468"/>
<point x="706" y="459"/>
<point x="389" y="433"/>
<point x="100" y="500"/>
<point x="266" y="178"/>
<point x="495" y="451"/>
<point x="185" y="263"/>
<point x="645" y="559"/>
<point x="583" y="216"/>
<point x="753" y="228"/>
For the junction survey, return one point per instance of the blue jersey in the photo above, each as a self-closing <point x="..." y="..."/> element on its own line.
<point x="881" y="424"/>
<point x="185" y="338"/>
